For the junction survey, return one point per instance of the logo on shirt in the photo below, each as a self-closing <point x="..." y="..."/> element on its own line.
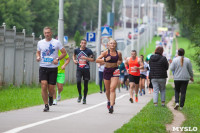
<point x="48" y="51"/>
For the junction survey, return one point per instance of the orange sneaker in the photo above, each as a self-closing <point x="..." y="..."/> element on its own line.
<point x="136" y="98"/>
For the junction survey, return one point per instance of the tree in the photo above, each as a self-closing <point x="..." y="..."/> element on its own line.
<point x="77" y="38"/>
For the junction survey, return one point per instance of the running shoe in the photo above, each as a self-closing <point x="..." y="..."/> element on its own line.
<point x="108" y="105"/>
<point x="181" y="108"/>
<point x="79" y="99"/>
<point x="176" y="106"/>
<point x="111" y="110"/>
<point x="84" y="101"/>
<point x="54" y="102"/>
<point x="46" y="108"/>
<point x="58" y="97"/>
<point x="143" y="91"/>
<point x="50" y="101"/>
<point x="131" y="100"/>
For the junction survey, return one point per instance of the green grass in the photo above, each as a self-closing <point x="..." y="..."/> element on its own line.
<point x="150" y="119"/>
<point x="12" y="97"/>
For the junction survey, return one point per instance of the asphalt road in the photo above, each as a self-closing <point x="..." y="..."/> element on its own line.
<point x="72" y="117"/>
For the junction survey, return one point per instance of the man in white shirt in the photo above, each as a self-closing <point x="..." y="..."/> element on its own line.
<point x="47" y="55"/>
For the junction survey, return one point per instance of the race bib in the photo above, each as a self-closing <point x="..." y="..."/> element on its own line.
<point x="133" y="70"/>
<point x="116" y="73"/>
<point x="48" y="60"/>
<point x="82" y="63"/>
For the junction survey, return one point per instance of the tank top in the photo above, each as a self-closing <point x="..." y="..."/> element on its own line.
<point x="113" y="59"/>
<point x="132" y="63"/>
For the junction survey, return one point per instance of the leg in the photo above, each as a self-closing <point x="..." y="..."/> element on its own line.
<point x="107" y="85"/>
<point x="155" y="91"/>
<point x="131" y="89"/>
<point x="162" y="83"/>
<point x="44" y="92"/>
<point x="183" y="92"/>
<point x="85" y="88"/>
<point x="177" y="91"/>
<point x="113" y="85"/>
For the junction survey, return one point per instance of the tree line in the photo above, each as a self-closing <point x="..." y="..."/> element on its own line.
<point x="187" y="13"/>
<point x="34" y="15"/>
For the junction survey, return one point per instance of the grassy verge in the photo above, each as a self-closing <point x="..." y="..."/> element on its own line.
<point x="12" y="97"/>
<point x="150" y="119"/>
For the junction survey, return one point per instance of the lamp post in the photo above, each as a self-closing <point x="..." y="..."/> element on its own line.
<point x="61" y="23"/>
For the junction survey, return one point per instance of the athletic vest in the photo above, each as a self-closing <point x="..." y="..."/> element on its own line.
<point x="132" y="63"/>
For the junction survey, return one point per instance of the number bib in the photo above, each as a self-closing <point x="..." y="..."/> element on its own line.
<point x="133" y="70"/>
<point x="82" y="62"/>
<point x="48" y="60"/>
<point x="116" y="73"/>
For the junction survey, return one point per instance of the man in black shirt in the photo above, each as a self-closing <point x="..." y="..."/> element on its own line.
<point x="82" y="56"/>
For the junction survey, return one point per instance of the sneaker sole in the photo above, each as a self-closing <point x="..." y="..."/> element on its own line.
<point x="176" y="107"/>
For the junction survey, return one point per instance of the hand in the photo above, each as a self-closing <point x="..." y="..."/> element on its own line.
<point x="136" y="67"/>
<point x="122" y="71"/>
<point x="75" y="61"/>
<point x="38" y="58"/>
<point x="55" y="61"/>
<point x="63" y="67"/>
<point x="192" y="79"/>
<point x="108" y="58"/>
<point x="83" y="57"/>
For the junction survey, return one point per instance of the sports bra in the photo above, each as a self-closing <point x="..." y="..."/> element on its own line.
<point x="113" y="59"/>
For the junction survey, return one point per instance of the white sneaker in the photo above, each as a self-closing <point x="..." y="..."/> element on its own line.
<point x="54" y="102"/>
<point x="58" y="97"/>
<point x="181" y="108"/>
<point x="176" y="106"/>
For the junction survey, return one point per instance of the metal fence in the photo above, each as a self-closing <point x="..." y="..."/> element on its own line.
<point x="18" y="63"/>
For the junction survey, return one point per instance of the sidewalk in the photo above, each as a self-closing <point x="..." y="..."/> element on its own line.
<point x="72" y="117"/>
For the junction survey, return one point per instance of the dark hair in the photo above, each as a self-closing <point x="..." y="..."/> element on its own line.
<point x="142" y="57"/>
<point x="159" y="50"/>
<point x="134" y="51"/>
<point x="181" y="52"/>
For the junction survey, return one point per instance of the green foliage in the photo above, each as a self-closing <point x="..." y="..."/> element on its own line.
<point x="77" y="38"/>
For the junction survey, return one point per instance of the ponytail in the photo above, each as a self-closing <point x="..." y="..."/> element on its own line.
<point x="182" y="60"/>
<point x="181" y="53"/>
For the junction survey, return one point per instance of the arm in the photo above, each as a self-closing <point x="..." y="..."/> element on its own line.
<point x="90" y="58"/>
<point x="66" y="63"/>
<point x="190" y="71"/>
<point x="74" y="58"/>
<point x="63" y="51"/>
<point x="120" y="58"/>
<point x="38" y="58"/>
<point x="99" y="59"/>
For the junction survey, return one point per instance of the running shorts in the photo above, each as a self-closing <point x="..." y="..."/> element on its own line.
<point x="48" y="74"/>
<point x="61" y="78"/>
<point x="85" y="73"/>
<point x="134" y="79"/>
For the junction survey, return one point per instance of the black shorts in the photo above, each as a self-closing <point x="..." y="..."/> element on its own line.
<point x="125" y="78"/>
<point x="48" y="74"/>
<point x="134" y="79"/>
<point x="142" y="76"/>
<point x="83" y="72"/>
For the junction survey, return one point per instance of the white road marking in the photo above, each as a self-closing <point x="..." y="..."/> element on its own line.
<point x="15" y="130"/>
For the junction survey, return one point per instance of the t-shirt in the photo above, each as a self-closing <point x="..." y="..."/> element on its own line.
<point x="83" y="64"/>
<point x="144" y="70"/>
<point x="48" y="52"/>
<point x="62" y="62"/>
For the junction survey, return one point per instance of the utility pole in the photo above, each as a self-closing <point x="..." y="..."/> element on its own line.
<point x="98" y="45"/>
<point x="124" y="20"/>
<point x="113" y="11"/>
<point x="138" y="40"/>
<point x="132" y="33"/>
<point x="61" y="23"/>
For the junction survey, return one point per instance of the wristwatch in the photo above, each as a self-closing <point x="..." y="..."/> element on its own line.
<point x="57" y="59"/>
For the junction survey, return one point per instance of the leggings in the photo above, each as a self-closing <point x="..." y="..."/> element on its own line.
<point x="85" y="88"/>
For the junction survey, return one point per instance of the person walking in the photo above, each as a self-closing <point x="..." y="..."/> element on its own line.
<point x="82" y="56"/>
<point x="182" y="68"/>
<point x="101" y="69"/>
<point x="112" y="59"/>
<point x="122" y="70"/>
<point x="47" y="55"/>
<point x="60" y="77"/>
<point x="133" y="65"/>
<point x="158" y="74"/>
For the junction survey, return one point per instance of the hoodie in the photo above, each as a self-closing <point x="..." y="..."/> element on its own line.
<point x="159" y="66"/>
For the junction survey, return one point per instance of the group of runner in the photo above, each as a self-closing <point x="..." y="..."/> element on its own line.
<point x="53" y="59"/>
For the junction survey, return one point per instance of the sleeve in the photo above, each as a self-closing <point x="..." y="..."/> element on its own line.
<point x="90" y="53"/>
<point x="60" y="46"/>
<point x="190" y="68"/>
<point x="172" y="66"/>
<point x="75" y="52"/>
<point x="38" y="47"/>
